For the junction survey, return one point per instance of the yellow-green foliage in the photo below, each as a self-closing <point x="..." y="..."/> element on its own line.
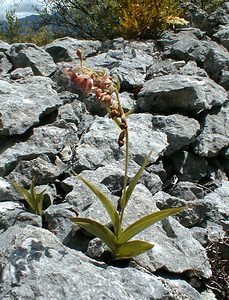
<point x="108" y="19"/>
<point x="146" y="18"/>
<point x="42" y="37"/>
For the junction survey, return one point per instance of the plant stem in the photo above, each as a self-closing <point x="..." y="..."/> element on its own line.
<point x="123" y="198"/>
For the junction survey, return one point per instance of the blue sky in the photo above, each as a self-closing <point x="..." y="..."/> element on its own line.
<point x="22" y="7"/>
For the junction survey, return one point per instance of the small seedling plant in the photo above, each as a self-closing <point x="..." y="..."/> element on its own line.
<point x="119" y="240"/>
<point x="34" y="199"/>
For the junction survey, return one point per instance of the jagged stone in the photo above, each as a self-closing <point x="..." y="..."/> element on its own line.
<point x="21" y="73"/>
<point x="99" y="147"/>
<point x="64" y="49"/>
<point x="4" y="47"/>
<point x="222" y="35"/>
<point x="22" y="105"/>
<point x="186" y="94"/>
<point x="191" y="68"/>
<point x="30" y="55"/>
<point x="220" y="16"/>
<point x="13" y="213"/>
<point x="35" y="264"/>
<point x="57" y="220"/>
<point x="51" y="141"/>
<point x="189" y="167"/>
<point x="217" y="61"/>
<point x="180" y="130"/>
<point x="5" y="65"/>
<point x="184" y="45"/>
<point x="214" y="133"/>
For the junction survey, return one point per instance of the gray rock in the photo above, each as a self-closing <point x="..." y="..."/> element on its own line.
<point x="189" y="167"/>
<point x="57" y="220"/>
<point x="219" y="199"/>
<point x="64" y="49"/>
<point x="13" y="213"/>
<point x="21" y="73"/>
<point x="224" y="79"/>
<point x="41" y="168"/>
<point x="23" y="104"/>
<point x="99" y="147"/>
<point x="6" y="190"/>
<point x="183" y="45"/>
<point x="93" y="105"/>
<point x="214" y="134"/>
<point x="36" y="265"/>
<point x="5" y="65"/>
<point x="222" y="35"/>
<point x="182" y="290"/>
<point x="180" y="130"/>
<point x="129" y="78"/>
<point x="175" y="249"/>
<point x="188" y="218"/>
<point x="197" y="17"/>
<point x="51" y="141"/>
<point x="4" y="47"/>
<point x="186" y="94"/>
<point x="217" y="60"/>
<point x="128" y="101"/>
<point x="115" y="44"/>
<point x="129" y="64"/>
<point x="160" y="67"/>
<point x="147" y="46"/>
<point x="188" y="191"/>
<point x="192" y="69"/>
<point x="108" y="179"/>
<point x="220" y="16"/>
<point x="30" y="55"/>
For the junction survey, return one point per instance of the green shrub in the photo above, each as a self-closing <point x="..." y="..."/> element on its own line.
<point x="147" y="18"/>
<point x="112" y="18"/>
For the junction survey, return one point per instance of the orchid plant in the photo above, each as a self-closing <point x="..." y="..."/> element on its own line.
<point x="34" y="199"/>
<point x="118" y="240"/>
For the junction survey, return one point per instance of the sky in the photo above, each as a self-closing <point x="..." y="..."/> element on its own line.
<point x="23" y="8"/>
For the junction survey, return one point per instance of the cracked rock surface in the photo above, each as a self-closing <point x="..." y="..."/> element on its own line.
<point x="177" y="87"/>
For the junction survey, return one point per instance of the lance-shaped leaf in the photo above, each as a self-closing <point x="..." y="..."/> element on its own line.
<point x="132" y="248"/>
<point x="133" y="182"/>
<point x="145" y="222"/>
<point x="34" y="199"/>
<point x="23" y="192"/>
<point x="97" y="229"/>
<point x="105" y="201"/>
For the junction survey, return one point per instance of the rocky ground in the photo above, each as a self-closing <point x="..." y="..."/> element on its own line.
<point x="178" y="86"/>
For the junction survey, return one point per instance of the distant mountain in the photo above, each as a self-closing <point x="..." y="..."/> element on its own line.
<point x="33" y="21"/>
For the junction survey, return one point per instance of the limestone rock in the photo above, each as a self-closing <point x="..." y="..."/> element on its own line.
<point x="64" y="49"/>
<point x="30" y="55"/>
<point x="22" y="105"/>
<point x="186" y="94"/>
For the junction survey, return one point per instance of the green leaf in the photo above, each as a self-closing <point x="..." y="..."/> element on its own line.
<point x="24" y="193"/>
<point x="133" y="248"/>
<point x="39" y="202"/>
<point x="34" y="199"/>
<point x="99" y="230"/>
<point x="134" y="181"/>
<point x="145" y="222"/>
<point x="114" y="216"/>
